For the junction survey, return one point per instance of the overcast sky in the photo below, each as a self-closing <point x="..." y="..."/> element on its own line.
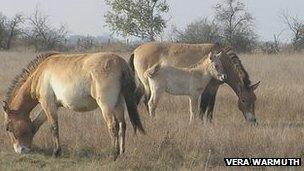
<point x="86" y="16"/>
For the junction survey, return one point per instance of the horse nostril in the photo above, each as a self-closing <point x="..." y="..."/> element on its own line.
<point x="224" y="77"/>
<point x="255" y="123"/>
<point x="24" y="150"/>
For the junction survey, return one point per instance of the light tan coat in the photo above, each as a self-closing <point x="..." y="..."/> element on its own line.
<point x="186" y="55"/>
<point x="183" y="81"/>
<point x="80" y="82"/>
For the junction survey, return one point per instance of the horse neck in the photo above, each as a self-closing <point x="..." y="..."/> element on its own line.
<point x="233" y="79"/>
<point x="202" y="70"/>
<point x="203" y="66"/>
<point x="23" y="102"/>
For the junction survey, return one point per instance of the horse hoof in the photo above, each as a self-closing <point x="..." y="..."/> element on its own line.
<point x="57" y="152"/>
<point x="208" y="123"/>
<point x="115" y="154"/>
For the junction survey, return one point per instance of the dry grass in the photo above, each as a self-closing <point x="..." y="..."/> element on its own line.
<point x="170" y="142"/>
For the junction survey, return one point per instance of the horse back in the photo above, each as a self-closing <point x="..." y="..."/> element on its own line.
<point x="75" y="79"/>
<point x="175" y="54"/>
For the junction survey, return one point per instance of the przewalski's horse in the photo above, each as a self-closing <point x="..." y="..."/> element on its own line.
<point x="80" y="82"/>
<point x="186" y="55"/>
<point x="184" y="81"/>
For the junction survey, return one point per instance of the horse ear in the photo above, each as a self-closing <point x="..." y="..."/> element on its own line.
<point x="255" y="86"/>
<point x="211" y="56"/>
<point x="219" y="54"/>
<point x="227" y="49"/>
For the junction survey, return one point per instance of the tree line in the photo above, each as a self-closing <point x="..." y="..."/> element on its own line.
<point x="232" y="25"/>
<point x="35" y="30"/>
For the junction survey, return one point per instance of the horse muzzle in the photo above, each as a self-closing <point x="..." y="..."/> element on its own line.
<point x="21" y="149"/>
<point x="251" y="118"/>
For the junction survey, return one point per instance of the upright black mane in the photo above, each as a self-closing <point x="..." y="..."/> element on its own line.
<point x="25" y="73"/>
<point x="239" y="68"/>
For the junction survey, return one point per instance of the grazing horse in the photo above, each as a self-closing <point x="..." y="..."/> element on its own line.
<point x="186" y="55"/>
<point x="184" y="81"/>
<point x="80" y="82"/>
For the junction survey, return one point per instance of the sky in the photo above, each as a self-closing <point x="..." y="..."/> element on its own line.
<point x="85" y="17"/>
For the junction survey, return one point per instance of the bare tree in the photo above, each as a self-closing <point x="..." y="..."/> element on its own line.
<point x="9" y="29"/>
<point x="237" y="25"/>
<point x="272" y="47"/>
<point x="296" y="26"/>
<point x="86" y="43"/>
<point x="42" y="35"/>
<point x="3" y="19"/>
<point x="201" y="31"/>
<point x="13" y="29"/>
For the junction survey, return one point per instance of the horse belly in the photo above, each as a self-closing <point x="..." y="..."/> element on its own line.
<point x="75" y="96"/>
<point x="177" y="88"/>
<point x="177" y="85"/>
<point x="79" y="103"/>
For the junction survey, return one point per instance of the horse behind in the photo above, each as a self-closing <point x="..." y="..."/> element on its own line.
<point x="184" y="81"/>
<point x="80" y="82"/>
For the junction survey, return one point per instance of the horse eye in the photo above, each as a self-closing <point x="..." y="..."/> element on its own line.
<point x="9" y="128"/>
<point x="243" y="100"/>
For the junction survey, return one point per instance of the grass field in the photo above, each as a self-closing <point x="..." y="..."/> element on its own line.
<point x="170" y="142"/>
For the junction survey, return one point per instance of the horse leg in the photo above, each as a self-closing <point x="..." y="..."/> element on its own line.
<point x="122" y="125"/>
<point x="210" y="108"/>
<point x="207" y="99"/>
<point x="143" y="87"/>
<point x="109" y="117"/>
<point x="107" y="99"/>
<point x="50" y="110"/>
<point x="194" y="108"/>
<point x="106" y="92"/>
<point x="38" y="120"/>
<point x="211" y="103"/>
<point x="154" y="99"/>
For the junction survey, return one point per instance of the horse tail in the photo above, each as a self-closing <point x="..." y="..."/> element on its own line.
<point x="139" y="89"/>
<point x="152" y="72"/>
<point x="131" y="62"/>
<point x="128" y="89"/>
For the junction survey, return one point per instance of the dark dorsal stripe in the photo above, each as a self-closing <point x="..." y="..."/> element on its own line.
<point x="25" y="73"/>
<point x="238" y="66"/>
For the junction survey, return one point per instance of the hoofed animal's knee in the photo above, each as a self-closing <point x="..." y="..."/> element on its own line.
<point x="122" y="129"/>
<point x="151" y="109"/>
<point x="113" y="128"/>
<point x="55" y="129"/>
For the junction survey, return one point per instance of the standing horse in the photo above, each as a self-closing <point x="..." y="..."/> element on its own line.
<point x="184" y="81"/>
<point x="186" y="55"/>
<point x="80" y="82"/>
